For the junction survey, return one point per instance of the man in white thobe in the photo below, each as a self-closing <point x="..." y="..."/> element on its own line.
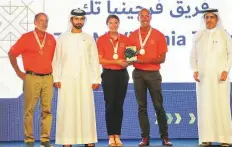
<point x="211" y="59"/>
<point x="76" y="73"/>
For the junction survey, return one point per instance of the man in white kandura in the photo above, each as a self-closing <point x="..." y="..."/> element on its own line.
<point x="211" y="59"/>
<point x="76" y="73"/>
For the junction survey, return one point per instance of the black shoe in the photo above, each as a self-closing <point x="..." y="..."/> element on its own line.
<point x="145" y="142"/>
<point x="166" y="142"/>
<point x="29" y="144"/>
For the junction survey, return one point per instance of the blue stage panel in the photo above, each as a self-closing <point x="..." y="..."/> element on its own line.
<point x="179" y="102"/>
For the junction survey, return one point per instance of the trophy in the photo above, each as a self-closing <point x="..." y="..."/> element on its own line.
<point x="131" y="53"/>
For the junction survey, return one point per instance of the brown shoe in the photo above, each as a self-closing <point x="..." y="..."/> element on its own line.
<point x="205" y="144"/>
<point x="90" y="145"/>
<point x="112" y="142"/>
<point x="118" y="142"/>
<point x="225" y="144"/>
<point x="145" y="142"/>
<point x="166" y="141"/>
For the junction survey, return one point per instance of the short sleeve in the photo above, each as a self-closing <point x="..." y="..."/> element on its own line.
<point x="19" y="47"/>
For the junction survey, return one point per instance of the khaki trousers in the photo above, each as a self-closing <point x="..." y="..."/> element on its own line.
<point x="35" y="88"/>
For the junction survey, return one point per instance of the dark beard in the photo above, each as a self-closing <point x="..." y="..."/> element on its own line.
<point x="78" y="27"/>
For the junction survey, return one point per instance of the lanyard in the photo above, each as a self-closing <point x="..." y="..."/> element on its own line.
<point x="115" y="47"/>
<point x="142" y="44"/>
<point x="41" y="45"/>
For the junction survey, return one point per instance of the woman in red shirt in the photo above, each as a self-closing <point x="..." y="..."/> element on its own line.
<point x="111" y="47"/>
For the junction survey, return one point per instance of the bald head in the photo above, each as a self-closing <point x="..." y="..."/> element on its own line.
<point x="144" y="10"/>
<point x="144" y="18"/>
<point x="41" y="21"/>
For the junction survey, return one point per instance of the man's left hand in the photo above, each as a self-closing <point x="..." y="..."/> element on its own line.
<point x="95" y="86"/>
<point x="223" y="76"/>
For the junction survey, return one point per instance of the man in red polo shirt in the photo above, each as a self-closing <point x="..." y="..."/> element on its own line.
<point x="152" y="48"/>
<point x="37" y="50"/>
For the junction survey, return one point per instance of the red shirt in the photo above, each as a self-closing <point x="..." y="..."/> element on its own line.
<point x="106" y="49"/>
<point x="155" y="46"/>
<point x="28" y="47"/>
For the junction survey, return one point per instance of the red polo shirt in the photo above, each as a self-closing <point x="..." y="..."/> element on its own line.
<point x="106" y="49"/>
<point x="28" y="47"/>
<point x="155" y="46"/>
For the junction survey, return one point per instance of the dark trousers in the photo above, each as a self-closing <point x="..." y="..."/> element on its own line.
<point x="150" y="80"/>
<point x="114" y="83"/>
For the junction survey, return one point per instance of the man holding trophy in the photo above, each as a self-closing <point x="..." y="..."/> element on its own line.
<point x="151" y="51"/>
<point x="111" y="48"/>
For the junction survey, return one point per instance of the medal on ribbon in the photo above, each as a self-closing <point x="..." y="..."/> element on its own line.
<point x="142" y="43"/>
<point x="115" y="55"/>
<point x="41" y="45"/>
